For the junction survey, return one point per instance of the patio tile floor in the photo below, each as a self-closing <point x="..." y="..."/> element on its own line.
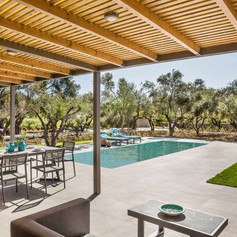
<point x="178" y="178"/>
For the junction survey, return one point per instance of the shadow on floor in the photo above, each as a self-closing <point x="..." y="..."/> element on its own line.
<point x="28" y="205"/>
<point x="18" y="199"/>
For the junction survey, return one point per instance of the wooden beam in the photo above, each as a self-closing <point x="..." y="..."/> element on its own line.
<point x="25" y="71"/>
<point x="25" y="78"/>
<point x="158" y="23"/>
<point x="37" y="34"/>
<point x="76" y="21"/>
<point x="219" y="49"/>
<point x="10" y="74"/>
<point x="45" y="55"/>
<point x="10" y="80"/>
<point x="3" y="84"/>
<point x="207" y="51"/>
<point x="32" y="64"/>
<point x="228" y="10"/>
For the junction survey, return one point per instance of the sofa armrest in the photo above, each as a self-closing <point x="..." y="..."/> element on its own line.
<point x="68" y="219"/>
<point x="29" y="228"/>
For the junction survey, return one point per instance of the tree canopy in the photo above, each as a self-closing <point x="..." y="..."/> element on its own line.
<point x="58" y="105"/>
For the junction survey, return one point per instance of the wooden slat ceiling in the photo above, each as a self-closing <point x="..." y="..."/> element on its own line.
<point x="60" y="38"/>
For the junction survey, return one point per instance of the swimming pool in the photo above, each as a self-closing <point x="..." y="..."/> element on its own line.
<point x="116" y="157"/>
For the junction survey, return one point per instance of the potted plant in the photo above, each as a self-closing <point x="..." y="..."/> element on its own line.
<point x="21" y="145"/>
<point x="10" y="147"/>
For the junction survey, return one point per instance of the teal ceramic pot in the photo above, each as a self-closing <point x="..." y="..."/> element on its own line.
<point x="21" y="146"/>
<point x="10" y="147"/>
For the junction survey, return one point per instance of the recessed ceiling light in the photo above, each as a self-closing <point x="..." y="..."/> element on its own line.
<point x="111" y="16"/>
<point x="10" y="52"/>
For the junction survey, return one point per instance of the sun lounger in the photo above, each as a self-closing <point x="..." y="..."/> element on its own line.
<point x="116" y="133"/>
<point x="119" y="140"/>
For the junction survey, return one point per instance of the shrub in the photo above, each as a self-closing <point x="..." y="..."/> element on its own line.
<point x="30" y="124"/>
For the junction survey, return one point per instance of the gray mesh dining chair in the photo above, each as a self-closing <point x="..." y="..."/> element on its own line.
<point x="9" y="165"/>
<point x="52" y="162"/>
<point x="69" y="149"/>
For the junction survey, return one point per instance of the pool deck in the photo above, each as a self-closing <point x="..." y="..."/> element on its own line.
<point x="177" y="178"/>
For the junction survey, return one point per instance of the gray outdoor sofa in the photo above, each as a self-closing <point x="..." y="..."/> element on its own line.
<point x="71" y="219"/>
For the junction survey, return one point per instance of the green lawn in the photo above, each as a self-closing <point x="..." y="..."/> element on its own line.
<point x="77" y="143"/>
<point x="227" y="177"/>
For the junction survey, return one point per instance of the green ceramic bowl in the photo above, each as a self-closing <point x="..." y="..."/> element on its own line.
<point x="171" y="209"/>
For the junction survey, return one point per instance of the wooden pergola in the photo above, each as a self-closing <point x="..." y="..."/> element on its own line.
<point x="45" y="39"/>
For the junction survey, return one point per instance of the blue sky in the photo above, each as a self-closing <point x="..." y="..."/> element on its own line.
<point x="216" y="71"/>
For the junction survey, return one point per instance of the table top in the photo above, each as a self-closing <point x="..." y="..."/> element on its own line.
<point x="31" y="151"/>
<point x="191" y="222"/>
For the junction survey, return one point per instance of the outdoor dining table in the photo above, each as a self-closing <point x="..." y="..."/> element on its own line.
<point x="31" y="152"/>
<point x="192" y="223"/>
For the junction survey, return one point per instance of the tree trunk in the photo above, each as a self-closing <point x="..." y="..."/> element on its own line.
<point x="6" y="127"/>
<point x="234" y="125"/>
<point x="54" y="134"/>
<point x="171" y="131"/>
<point x="216" y="123"/>
<point x="46" y="134"/>
<point x="18" y="125"/>
<point x="76" y="129"/>
<point x="197" y="131"/>
<point x="1" y="136"/>
<point x="134" y="122"/>
<point x="151" y="124"/>
<point x="122" y="122"/>
<point x="171" y="127"/>
<point x="53" y="141"/>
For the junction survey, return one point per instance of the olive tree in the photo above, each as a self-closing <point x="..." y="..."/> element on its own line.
<point x="174" y="100"/>
<point x="53" y="106"/>
<point x="83" y="119"/>
<point x="229" y="98"/>
<point x="118" y="101"/>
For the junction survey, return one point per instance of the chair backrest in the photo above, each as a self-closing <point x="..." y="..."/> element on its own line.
<point x="54" y="154"/>
<point x="69" y="145"/>
<point x="11" y="161"/>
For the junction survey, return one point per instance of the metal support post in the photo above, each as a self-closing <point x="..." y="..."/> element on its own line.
<point x="96" y="132"/>
<point x="12" y="112"/>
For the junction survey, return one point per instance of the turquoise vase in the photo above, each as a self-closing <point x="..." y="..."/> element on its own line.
<point x="10" y="147"/>
<point x="21" y="146"/>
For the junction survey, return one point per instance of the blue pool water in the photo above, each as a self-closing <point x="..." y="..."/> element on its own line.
<point x="116" y="157"/>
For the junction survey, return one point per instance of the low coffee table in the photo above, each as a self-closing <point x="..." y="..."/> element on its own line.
<point x="191" y="222"/>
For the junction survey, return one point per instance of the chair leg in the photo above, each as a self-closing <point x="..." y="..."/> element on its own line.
<point x="27" y="187"/>
<point x="37" y="165"/>
<point x="64" y="179"/>
<point x="16" y="185"/>
<point x="3" y="194"/>
<point x="31" y="174"/>
<point x="74" y="168"/>
<point x="52" y="178"/>
<point x="45" y="183"/>
<point x="58" y="176"/>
